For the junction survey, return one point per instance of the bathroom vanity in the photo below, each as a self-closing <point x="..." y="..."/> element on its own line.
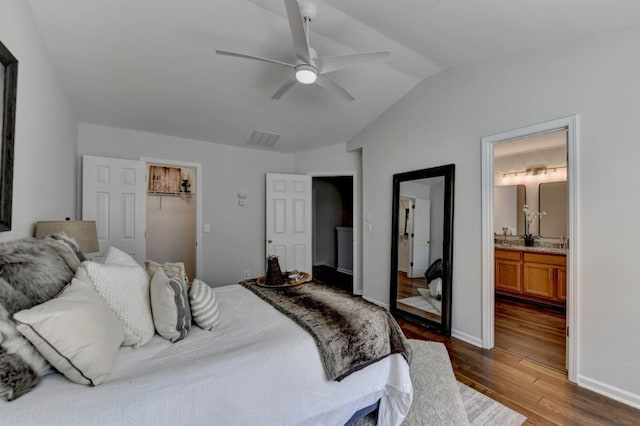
<point x="537" y="274"/>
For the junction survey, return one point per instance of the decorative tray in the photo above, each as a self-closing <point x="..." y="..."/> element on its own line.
<point x="288" y="282"/>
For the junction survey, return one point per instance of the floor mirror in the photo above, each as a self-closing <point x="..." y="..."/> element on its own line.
<point x="422" y="247"/>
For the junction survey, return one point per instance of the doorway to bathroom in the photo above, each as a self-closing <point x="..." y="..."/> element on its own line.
<point x="333" y="230"/>
<point x="529" y="225"/>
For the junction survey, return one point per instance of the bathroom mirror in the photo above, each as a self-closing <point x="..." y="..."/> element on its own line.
<point x="552" y="198"/>
<point x="422" y="247"/>
<point x="508" y="202"/>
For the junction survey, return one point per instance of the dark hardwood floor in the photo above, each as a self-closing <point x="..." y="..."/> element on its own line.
<point x="332" y="277"/>
<point x="542" y="394"/>
<point x="536" y="333"/>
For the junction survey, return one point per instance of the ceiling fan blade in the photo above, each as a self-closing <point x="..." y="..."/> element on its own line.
<point x="330" y="84"/>
<point x="285" y="87"/>
<point x="335" y="63"/>
<point x="257" y="58"/>
<point x="298" y="33"/>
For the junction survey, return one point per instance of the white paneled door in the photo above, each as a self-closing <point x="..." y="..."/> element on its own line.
<point x="288" y="209"/>
<point x="421" y="238"/>
<point x="114" y="195"/>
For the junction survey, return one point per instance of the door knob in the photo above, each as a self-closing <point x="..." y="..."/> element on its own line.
<point x="269" y="241"/>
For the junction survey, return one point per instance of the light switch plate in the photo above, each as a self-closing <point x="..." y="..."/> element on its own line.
<point x="207" y="227"/>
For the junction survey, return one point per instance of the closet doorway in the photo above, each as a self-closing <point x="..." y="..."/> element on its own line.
<point x="332" y="230"/>
<point x="173" y="213"/>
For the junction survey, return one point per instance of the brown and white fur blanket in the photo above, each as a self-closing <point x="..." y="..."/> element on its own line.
<point x="31" y="272"/>
<point x="350" y="332"/>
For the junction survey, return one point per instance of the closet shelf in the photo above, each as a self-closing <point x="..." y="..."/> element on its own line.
<point x="171" y="194"/>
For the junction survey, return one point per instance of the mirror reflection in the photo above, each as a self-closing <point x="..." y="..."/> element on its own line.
<point x="553" y="200"/>
<point x="420" y="247"/>
<point x="421" y="281"/>
<point x="508" y="202"/>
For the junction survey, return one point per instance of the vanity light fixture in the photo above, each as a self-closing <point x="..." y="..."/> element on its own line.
<point x="532" y="174"/>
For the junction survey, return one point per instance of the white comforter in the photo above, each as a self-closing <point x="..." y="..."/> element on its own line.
<point x="257" y="368"/>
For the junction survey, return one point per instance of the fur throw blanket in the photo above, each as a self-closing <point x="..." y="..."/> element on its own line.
<point x="350" y="332"/>
<point x="31" y="272"/>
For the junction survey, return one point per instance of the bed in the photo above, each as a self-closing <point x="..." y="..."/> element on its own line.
<point x="257" y="368"/>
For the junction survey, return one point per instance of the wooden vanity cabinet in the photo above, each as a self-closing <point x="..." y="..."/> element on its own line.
<point x="538" y="277"/>
<point x="508" y="274"/>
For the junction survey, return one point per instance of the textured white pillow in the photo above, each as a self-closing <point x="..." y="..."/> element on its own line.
<point x="125" y="288"/>
<point x="76" y="332"/>
<point x="170" y="306"/>
<point x="115" y="256"/>
<point x="204" y="305"/>
<point x="171" y="269"/>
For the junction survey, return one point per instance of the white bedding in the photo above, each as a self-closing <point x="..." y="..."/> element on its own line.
<point x="257" y="368"/>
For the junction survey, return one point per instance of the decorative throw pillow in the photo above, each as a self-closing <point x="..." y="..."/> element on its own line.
<point x="76" y="332"/>
<point x="125" y="288"/>
<point x="170" y="306"/>
<point x="32" y="271"/>
<point x="171" y="269"/>
<point x="204" y="305"/>
<point x="115" y="256"/>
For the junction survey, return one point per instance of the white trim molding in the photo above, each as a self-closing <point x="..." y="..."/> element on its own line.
<point x="612" y="392"/>
<point x="376" y="302"/>
<point x="199" y="192"/>
<point x="488" y="289"/>
<point x="472" y="340"/>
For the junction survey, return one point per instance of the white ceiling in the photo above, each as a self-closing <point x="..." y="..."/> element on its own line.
<point x="150" y="65"/>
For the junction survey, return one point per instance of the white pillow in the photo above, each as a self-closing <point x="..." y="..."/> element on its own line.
<point x="76" y="332"/>
<point x="204" y="305"/>
<point x="171" y="269"/>
<point x="115" y="256"/>
<point x="125" y="288"/>
<point x="170" y="306"/>
<point x="435" y="286"/>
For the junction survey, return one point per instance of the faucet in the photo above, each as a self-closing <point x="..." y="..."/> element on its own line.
<point x="564" y="243"/>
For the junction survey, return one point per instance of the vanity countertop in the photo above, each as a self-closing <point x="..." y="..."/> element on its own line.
<point x="534" y="249"/>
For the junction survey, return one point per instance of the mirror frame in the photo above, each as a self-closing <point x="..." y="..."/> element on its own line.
<point x="8" y="124"/>
<point x="448" y="171"/>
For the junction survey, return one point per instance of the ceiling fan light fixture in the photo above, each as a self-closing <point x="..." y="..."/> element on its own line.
<point x="306" y="74"/>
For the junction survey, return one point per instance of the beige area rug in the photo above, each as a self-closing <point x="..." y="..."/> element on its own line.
<point x="424" y="302"/>
<point x="482" y="410"/>
<point x="438" y="399"/>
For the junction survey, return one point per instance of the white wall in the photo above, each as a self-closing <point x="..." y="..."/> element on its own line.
<point x="442" y="121"/>
<point x="237" y="238"/>
<point x="336" y="158"/>
<point x="437" y="221"/>
<point x="44" y="176"/>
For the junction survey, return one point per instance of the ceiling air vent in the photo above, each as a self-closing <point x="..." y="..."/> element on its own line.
<point x="263" y="138"/>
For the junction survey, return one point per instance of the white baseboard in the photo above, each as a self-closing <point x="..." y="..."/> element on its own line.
<point x="472" y="340"/>
<point x="405" y="270"/>
<point x="376" y="302"/>
<point x="612" y="392"/>
<point x="357" y="292"/>
<point x="345" y="271"/>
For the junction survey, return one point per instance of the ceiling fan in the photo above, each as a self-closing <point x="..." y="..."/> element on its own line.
<point x="309" y="68"/>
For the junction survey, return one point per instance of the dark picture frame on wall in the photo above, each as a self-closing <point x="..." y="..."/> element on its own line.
<point x="8" y="90"/>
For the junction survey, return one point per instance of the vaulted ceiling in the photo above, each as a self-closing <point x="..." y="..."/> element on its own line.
<point x="150" y="65"/>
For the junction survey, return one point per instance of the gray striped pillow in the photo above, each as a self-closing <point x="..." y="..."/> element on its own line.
<point x="204" y="305"/>
<point x="170" y="306"/>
